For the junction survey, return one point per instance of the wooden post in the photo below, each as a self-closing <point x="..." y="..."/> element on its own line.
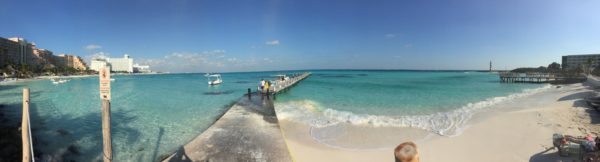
<point x="25" y="127"/>
<point x="104" y="78"/>
<point x="106" y="138"/>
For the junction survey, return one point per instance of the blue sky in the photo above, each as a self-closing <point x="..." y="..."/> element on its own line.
<point x="248" y="35"/>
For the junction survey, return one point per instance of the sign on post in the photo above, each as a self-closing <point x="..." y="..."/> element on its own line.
<point x="104" y="75"/>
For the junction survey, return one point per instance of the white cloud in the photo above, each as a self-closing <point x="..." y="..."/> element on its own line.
<point x="272" y="43"/>
<point x="268" y="60"/>
<point x="92" y="47"/>
<point x="101" y="55"/>
<point x="206" y="61"/>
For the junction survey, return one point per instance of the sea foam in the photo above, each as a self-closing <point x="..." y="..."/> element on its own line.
<point x="448" y="123"/>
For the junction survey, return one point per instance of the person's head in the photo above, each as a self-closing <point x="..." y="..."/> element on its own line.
<point x="406" y="152"/>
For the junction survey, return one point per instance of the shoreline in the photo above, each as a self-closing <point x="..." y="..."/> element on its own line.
<point x="21" y="80"/>
<point x="514" y="130"/>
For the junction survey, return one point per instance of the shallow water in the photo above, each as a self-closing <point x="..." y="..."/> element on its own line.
<point x="154" y="115"/>
<point x="440" y="102"/>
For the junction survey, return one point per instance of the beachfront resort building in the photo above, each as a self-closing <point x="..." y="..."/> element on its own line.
<point x="43" y="57"/>
<point x="71" y="61"/>
<point x="124" y="64"/>
<point x="98" y="63"/>
<point x="573" y="61"/>
<point x="17" y="51"/>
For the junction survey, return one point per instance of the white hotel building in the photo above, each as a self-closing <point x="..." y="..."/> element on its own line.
<point x="124" y="64"/>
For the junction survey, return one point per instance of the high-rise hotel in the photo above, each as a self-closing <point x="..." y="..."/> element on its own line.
<point x="573" y="61"/>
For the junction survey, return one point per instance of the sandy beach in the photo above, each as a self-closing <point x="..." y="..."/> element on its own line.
<point x="514" y="130"/>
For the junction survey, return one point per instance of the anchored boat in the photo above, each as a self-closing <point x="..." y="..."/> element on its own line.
<point x="214" y="79"/>
<point x="59" y="81"/>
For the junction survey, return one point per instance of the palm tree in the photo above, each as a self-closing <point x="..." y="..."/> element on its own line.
<point x="554" y="67"/>
<point x="587" y="66"/>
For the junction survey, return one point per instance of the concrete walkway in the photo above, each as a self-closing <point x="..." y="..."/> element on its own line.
<point x="249" y="131"/>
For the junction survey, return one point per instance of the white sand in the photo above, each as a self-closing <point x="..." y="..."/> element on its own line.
<point x="517" y="130"/>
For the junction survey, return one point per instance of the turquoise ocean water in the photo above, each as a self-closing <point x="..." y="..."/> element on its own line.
<point x="153" y="115"/>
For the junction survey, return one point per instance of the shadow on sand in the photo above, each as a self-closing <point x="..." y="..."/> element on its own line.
<point x="550" y="155"/>
<point x="578" y="99"/>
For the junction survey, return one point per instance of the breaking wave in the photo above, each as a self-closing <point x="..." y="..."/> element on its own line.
<point x="443" y="123"/>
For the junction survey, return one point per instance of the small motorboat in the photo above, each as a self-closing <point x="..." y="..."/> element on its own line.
<point x="214" y="79"/>
<point x="59" y="81"/>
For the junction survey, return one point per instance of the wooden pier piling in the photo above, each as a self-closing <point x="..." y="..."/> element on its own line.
<point x="25" y="130"/>
<point x="106" y="136"/>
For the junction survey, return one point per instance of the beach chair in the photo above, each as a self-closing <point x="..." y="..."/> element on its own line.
<point x="569" y="145"/>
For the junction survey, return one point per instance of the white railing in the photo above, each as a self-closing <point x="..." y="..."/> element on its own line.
<point x="286" y="83"/>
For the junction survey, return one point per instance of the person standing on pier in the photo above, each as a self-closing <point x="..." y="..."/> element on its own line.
<point x="267" y="84"/>
<point x="262" y="85"/>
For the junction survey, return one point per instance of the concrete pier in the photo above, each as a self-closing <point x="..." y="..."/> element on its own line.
<point x="281" y="86"/>
<point x="248" y="131"/>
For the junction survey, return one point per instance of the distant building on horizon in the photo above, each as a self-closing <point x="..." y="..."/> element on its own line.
<point x="141" y="68"/>
<point x="574" y="61"/>
<point x="124" y="64"/>
<point x="121" y="64"/>
<point x="98" y="63"/>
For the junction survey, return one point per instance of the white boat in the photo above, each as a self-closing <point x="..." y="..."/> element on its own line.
<point x="214" y="79"/>
<point x="59" y="81"/>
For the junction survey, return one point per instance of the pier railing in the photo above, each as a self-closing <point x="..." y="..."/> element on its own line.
<point x="537" y="77"/>
<point x="27" y="145"/>
<point x="282" y="85"/>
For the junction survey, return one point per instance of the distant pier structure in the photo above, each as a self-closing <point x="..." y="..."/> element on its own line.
<point x="527" y="77"/>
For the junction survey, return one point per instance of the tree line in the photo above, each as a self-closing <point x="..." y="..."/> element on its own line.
<point x="587" y="68"/>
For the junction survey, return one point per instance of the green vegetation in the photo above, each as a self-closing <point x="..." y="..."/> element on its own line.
<point x="589" y="67"/>
<point x="29" y="71"/>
